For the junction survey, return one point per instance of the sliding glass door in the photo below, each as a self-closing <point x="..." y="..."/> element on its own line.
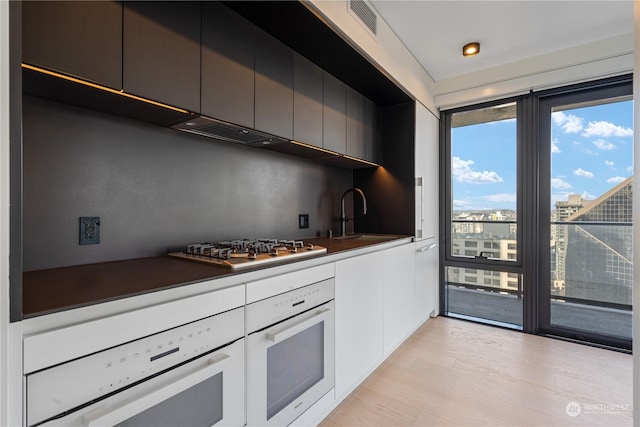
<point x="536" y="209"/>
<point x="586" y="284"/>
<point x="483" y="273"/>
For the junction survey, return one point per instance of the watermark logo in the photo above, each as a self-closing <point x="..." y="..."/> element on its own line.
<point x="573" y="409"/>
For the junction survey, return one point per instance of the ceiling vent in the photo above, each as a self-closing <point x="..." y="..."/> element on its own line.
<point x="365" y="14"/>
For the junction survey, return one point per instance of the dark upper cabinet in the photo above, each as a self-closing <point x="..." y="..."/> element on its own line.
<point x="373" y="135"/>
<point x="83" y="39"/>
<point x="161" y="54"/>
<point x="274" y="86"/>
<point x="228" y="50"/>
<point x="363" y="127"/>
<point x="307" y="101"/>
<point x="334" y="116"/>
<point x="356" y="127"/>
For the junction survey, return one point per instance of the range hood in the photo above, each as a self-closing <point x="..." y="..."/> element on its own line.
<point x="218" y="129"/>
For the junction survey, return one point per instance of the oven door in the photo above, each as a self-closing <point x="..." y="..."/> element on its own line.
<point x="290" y="366"/>
<point x="207" y="391"/>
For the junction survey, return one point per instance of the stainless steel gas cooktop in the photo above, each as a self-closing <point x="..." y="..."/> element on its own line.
<point x="238" y="254"/>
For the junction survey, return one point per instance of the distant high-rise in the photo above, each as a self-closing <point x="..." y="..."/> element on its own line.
<point x="564" y="210"/>
<point x="598" y="260"/>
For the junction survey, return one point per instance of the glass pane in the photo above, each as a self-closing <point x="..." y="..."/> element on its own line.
<point x="293" y="367"/>
<point x="484" y="183"/>
<point x="484" y="294"/>
<point x="591" y="218"/>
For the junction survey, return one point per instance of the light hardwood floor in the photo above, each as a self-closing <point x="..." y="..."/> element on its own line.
<point x="452" y="372"/>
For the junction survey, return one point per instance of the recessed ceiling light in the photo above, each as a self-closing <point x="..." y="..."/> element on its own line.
<point x="471" y="49"/>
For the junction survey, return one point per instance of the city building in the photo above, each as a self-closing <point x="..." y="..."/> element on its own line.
<point x="564" y="209"/>
<point x="598" y="259"/>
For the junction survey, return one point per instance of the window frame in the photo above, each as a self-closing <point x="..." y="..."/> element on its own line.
<point x="590" y="92"/>
<point x="449" y="259"/>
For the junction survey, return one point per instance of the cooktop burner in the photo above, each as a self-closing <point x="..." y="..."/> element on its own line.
<point x="237" y="254"/>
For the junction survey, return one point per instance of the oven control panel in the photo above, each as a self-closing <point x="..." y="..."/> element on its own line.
<point x="65" y="386"/>
<point x="275" y="309"/>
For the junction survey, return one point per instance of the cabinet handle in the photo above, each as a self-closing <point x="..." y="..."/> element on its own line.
<point x="107" y="416"/>
<point x="298" y="327"/>
<point x="427" y="248"/>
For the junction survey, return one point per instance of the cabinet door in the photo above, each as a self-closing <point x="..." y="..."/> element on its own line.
<point x="82" y="38"/>
<point x="427" y="175"/>
<point x="307" y="101"/>
<point x="228" y="50"/>
<point x="356" y="128"/>
<point x="162" y="52"/>
<point x="426" y="300"/>
<point x="399" y="295"/>
<point x="359" y="321"/>
<point x="373" y="133"/>
<point x="274" y="86"/>
<point x="334" y="114"/>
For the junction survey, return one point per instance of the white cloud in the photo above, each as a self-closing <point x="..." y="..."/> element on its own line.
<point x="609" y="163"/>
<point x="601" y="144"/>
<point x="616" y="179"/>
<point x="606" y="129"/>
<point x="554" y="146"/>
<point x="587" y="196"/>
<point x="630" y="168"/>
<point x="568" y="122"/>
<point x="582" y="172"/>
<point x="461" y="204"/>
<point x="461" y="170"/>
<point x="559" y="184"/>
<point x="501" y="197"/>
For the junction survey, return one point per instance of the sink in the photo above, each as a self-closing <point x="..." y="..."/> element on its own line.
<point x="367" y="237"/>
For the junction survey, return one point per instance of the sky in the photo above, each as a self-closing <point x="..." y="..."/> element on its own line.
<point x="591" y="152"/>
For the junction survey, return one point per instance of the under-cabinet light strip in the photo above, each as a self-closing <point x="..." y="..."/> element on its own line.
<point x="360" y="160"/>
<point x="324" y="150"/>
<point x="104" y="88"/>
<point x="313" y="147"/>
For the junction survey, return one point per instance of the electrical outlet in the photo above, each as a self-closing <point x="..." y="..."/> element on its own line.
<point x="89" y="230"/>
<point x="303" y="221"/>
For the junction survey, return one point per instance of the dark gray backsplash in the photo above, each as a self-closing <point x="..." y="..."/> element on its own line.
<point x="156" y="189"/>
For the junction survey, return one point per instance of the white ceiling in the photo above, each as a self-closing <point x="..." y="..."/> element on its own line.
<point x="435" y="31"/>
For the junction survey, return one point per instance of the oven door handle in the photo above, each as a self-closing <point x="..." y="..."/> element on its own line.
<point x="298" y="327"/>
<point x="104" y="415"/>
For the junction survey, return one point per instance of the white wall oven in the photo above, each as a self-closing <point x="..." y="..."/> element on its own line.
<point x="191" y="375"/>
<point x="290" y="353"/>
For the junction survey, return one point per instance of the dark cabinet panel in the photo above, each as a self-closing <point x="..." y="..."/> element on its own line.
<point x="228" y="50"/>
<point x="356" y="128"/>
<point x="307" y="101"/>
<point x="373" y="136"/>
<point x="364" y="138"/>
<point x="161" y="59"/>
<point x="334" y="116"/>
<point x="83" y="39"/>
<point x="274" y="86"/>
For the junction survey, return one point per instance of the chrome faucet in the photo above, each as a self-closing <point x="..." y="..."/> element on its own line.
<point x="343" y="216"/>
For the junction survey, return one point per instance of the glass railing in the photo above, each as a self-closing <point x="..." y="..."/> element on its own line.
<point x="592" y="276"/>
<point x="484" y="294"/>
<point x="590" y="287"/>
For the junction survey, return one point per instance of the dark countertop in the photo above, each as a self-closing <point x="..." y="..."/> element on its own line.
<point x="57" y="289"/>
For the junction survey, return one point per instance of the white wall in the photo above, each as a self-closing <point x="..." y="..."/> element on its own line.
<point x="636" y="219"/>
<point x="4" y="207"/>
<point x="386" y="51"/>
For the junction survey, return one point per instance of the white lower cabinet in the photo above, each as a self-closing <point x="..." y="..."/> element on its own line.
<point x="426" y="302"/>
<point x="400" y="294"/>
<point x="359" y="319"/>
